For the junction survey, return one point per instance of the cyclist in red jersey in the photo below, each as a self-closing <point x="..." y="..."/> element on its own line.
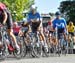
<point x="5" y="18"/>
<point x="16" y="29"/>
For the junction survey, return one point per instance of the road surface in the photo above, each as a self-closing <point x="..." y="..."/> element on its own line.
<point x="70" y="58"/>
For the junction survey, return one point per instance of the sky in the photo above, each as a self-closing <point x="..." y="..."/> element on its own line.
<point x="46" y="6"/>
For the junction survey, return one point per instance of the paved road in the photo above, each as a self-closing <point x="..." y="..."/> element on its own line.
<point x="63" y="59"/>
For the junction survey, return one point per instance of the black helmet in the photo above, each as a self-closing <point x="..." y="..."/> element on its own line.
<point x="57" y="13"/>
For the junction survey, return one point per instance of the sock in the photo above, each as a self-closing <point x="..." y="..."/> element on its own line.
<point x="17" y="46"/>
<point x="42" y="43"/>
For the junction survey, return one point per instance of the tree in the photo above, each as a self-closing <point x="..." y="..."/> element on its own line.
<point x="18" y="6"/>
<point x="68" y="9"/>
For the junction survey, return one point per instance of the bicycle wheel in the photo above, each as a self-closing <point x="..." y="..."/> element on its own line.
<point x="45" y="51"/>
<point x="24" y="52"/>
<point x="3" y="55"/>
<point x="37" y="51"/>
<point x="36" y="48"/>
<point x="20" y="43"/>
<point x="58" y="49"/>
<point x="64" y="49"/>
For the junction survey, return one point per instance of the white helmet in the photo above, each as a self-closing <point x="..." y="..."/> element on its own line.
<point x="24" y="19"/>
<point x="33" y="7"/>
<point x="15" y="23"/>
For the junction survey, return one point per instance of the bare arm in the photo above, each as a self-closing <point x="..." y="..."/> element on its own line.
<point x="5" y="17"/>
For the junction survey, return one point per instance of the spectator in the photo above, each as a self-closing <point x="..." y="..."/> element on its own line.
<point x="70" y="28"/>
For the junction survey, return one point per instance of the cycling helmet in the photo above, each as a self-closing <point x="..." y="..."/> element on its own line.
<point x="33" y="7"/>
<point x="15" y="24"/>
<point x="25" y="20"/>
<point x="2" y="6"/>
<point x="57" y="13"/>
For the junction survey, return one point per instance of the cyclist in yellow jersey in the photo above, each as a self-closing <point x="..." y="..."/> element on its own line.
<point x="71" y="28"/>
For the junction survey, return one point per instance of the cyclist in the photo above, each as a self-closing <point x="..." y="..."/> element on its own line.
<point x="26" y="26"/>
<point x="59" y="24"/>
<point x="16" y="28"/>
<point x="5" y="18"/>
<point x="50" y="27"/>
<point x="71" y="28"/>
<point x="25" y="30"/>
<point x="34" y="17"/>
<point x="74" y="41"/>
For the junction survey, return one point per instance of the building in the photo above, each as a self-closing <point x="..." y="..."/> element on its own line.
<point x="45" y="19"/>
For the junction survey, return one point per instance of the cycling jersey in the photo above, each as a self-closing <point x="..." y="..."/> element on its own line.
<point x="16" y="30"/>
<point x="33" y="16"/>
<point x="49" y="23"/>
<point x="2" y="9"/>
<point x="9" y="19"/>
<point x="1" y="16"/>
<point x="34" y="25"/>
<point x="50" y="27"/>
<point x="59" y="23"/>
<point x="70" y="28"/>
<point x="61" y="26"/>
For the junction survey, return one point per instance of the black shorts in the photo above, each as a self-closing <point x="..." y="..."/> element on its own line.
<point x="35" y="26"/>
<point x="16" y="34"/>
<point x="61" y="30"/>
<point x="51" y="32"/>
<point x="60" y="33"/>
<point x="72" y="33"/>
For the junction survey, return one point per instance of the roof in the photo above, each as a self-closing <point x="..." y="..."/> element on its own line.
<point x="45" y="15"/>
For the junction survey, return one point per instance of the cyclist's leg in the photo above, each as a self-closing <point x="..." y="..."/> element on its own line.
<point x="13" y="37"/>
<point x="50" y="36"/>
<point x="9" y="30"/>
<point x="42" y="37"/>
<point x="42" y="34"/>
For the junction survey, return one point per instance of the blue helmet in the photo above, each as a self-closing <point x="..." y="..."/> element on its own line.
<point x="57" y="13"/>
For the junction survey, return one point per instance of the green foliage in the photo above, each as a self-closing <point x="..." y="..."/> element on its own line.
<point x="18" y="5"/>
<point x="68" y="8"/>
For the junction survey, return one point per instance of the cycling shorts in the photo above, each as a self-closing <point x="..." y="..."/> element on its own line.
<point x="72" y="33"/>
<point x="60" y="32"/>
<point x="35" y="26"/>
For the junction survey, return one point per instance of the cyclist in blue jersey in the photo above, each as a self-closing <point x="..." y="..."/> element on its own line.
<point x="34" y="17"/>
<point x="59" y="24"/>
<point x="36" y="22"/>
